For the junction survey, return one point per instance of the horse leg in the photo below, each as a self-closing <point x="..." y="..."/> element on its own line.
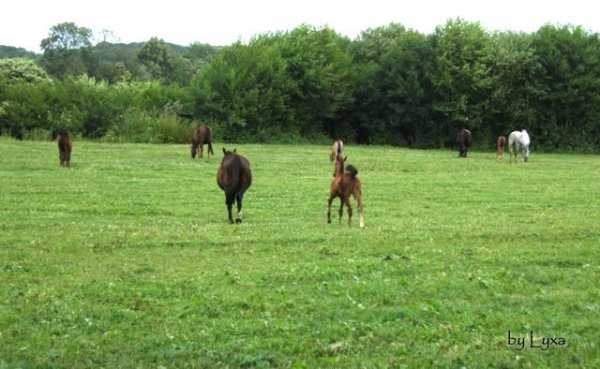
<point x="341" y="210"/>
<point x="201" y="150"/>
<point x="229" y="199"/>
<point x="238" y="199"/>
<point x="359" y="204"/>
<point x="349" y="206"/>
<point x="329" y="201"/>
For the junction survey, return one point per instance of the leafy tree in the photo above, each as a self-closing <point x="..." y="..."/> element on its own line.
<point x="156" y="58"/>
<point x="23" y="70"/>
<point x="200" y="55"/>
<point x="246" y="86"/>
<point x="12" y="52"/>
<point x="66" y="50"/>
<point x="568" y="105"/>
<point x="319" y="63"/>
<point x="67" y="36"/>
<point x="461" y="78"/>
<point x="517" y="74"/>
<point x="392" y="87"/>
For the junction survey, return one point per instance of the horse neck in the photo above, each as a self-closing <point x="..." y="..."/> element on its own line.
<point x="339" y="167"/>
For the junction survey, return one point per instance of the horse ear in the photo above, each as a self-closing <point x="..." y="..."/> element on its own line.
<point x="224" y="151"/>
<point x="346" y="157"/>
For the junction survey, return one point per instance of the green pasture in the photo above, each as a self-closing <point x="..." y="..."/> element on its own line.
<point x="127" y="260"/>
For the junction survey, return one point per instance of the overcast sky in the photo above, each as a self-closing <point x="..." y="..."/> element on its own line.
<point x="24" y="23"/>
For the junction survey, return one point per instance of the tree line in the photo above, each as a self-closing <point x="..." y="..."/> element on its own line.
<point x="391" y="85"/>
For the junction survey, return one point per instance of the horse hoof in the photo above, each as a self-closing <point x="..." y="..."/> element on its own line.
<point x="238" y="220"/>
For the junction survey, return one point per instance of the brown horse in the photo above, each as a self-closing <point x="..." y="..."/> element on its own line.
<point x="464" y="139"/>
<point x="344" y="185"/>
<point x="65" y="145"/>
<point x="234" y="177"/>
<point x="500" y="144"/>
<point x="338" y="147"/>
<point x="202" y="135"/>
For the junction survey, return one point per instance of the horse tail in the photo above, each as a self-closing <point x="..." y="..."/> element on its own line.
<point x="352" y="170"/>
<point x="210" y="148"/>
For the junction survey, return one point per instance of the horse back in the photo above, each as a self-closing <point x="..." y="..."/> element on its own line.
<point x="525" y="141"/>
<point x="514" y="138"/>
<point x="202" y="134"/>
<point x="234" y="175"/>
<point x="464" y="137"/>
<point x="64" y="143"/>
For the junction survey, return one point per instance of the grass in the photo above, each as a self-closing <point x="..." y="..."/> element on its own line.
<point x="126" y="260"/>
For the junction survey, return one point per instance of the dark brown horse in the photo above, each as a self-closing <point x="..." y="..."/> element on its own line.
<point x="65" y="145"/>
<point x="464" y="139"/>
<point x="338" y="147"/>
<point x="344" y="185"/>
<point x="202" y="135"/>
<point x="500" y="144"/>
<point x="234" y="177"/>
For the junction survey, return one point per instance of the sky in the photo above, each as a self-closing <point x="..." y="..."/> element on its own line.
<point x="24" y="23"/>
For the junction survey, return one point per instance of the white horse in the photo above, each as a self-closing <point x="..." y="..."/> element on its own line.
<point x="519" y="142"/>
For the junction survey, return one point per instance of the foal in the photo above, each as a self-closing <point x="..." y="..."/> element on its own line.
<point x="500" y="143"/>
<point x="464" y="139"/>
<point x="344" y="185"/>
<point x="65" y="145"/>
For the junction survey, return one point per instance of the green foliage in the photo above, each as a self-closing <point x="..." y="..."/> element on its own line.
<point x="162" y="64"/>
<point x="126" y="260"/>
<point x="246" y="87"/>
<point x="297" y="83"/>
<point x="65" y="50"/>
<point x="11" y="52"/>
<point x="461" y="78"/>
<point x="392" y="85"/>
<point x="319" y="64"/>
<point x="138" y="126"/>
<point x="26" y="70"/>
<point x="518" y="81"/>
<point x="568" y="112"/>
<point x="67" y="36"/>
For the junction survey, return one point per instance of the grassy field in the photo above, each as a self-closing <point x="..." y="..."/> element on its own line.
<point x="126" y="260"/>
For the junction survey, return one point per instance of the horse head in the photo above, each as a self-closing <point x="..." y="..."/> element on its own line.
<point x="226" y="152"/>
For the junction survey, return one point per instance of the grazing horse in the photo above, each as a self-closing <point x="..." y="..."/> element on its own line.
<point x="464" y="139"/>
<point x="344" y="185"/>
<point x="500" y="143"/>
<point x="234" y="177"/>
<point x="202" y="135"/>
<point x="65" y="145"/>
<point x="518" y="141"/>
<point x="338" y="147"/>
